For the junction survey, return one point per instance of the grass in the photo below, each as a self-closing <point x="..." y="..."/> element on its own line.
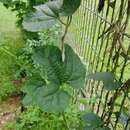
<point x="11" y="43"/>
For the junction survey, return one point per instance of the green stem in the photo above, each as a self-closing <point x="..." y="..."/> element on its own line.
<point x="62" y="22"/>
<point x="69" y="19"/>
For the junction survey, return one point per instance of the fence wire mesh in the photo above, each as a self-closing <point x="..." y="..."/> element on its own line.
<point x="103" y="41"/>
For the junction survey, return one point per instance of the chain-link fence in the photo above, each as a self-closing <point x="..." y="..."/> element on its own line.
<point x="103" y="40"/>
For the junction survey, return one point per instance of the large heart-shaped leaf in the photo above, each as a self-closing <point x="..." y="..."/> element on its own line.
<point x="50" y="59"/>
<point x="93" y="128"/>
<point x="113" y="85"/>
<point x="108" y="79"/>
<point x="101" y="76"/>
<point x="52" y="100"/>
<point x="46" y="15"/>
<point x="93" y="122"/>
<point x="43" y="18"/>
<point x="74" y="69"/>
<point x="103" y="128"/>
<point x="29" y="89"/>
<point x="89" y="128"/>
<point x="71" y="71"/>
<point x="69" y="7"/>
<point x="92" y="119"/>
<point x="48" y="97"/>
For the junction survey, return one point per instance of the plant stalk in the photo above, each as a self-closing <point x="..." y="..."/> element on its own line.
<point x="69" y="19"/>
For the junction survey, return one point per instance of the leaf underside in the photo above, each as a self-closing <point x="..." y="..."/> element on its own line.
<point x="47" y="15"/>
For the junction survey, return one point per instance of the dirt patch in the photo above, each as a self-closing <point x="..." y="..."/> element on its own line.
<point x="8" y="110"/>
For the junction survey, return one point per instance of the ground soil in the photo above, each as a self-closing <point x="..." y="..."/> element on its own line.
<point x="8" y="110"/>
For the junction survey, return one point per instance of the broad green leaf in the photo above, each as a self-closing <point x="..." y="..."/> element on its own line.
<point x="74" y="69"/>
<point x="108" y="79"/>
<point x="29" y="89"/>
<point x="110" y="86"/>
<point x="50" y="60"/>
<point x="47" y="97"/>
<point x="92" y="119"/>
<point x="55" y="6"/>
<point x="102" y="76"/>
<point x="31" y="86"/>
<point x="93" y="122"/>
<point x="94" y="128"/>
<point x="69" y="7"/>
<point x="103" y="128"/>
<point x="89" y="128"/>
<point x="46" y="15"/>
<point x="28" y="100"/>
<point x="53" y="101"/>
<point x="43" y="18"/>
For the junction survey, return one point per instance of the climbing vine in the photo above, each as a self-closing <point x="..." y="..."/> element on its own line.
<point x="59" y="67"/>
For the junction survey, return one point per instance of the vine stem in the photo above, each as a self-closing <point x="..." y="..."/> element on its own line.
<point x="69" y="19"/>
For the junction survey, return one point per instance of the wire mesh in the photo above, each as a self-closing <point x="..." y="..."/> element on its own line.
<point x="97" y="41"/>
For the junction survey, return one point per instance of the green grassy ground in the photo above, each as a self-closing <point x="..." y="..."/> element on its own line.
<point x="10" y="44"/>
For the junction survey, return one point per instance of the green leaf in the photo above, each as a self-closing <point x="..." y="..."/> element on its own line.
<point x="110" y="86"/>
<point x="42" y="18"/>
<point x="93" y="122"/>
<point x="50" y="59"/>
<point x="108" y="79"/>
<point x="89" y="128"/>
<point x="29" y="89"/>
<point x="94" y="128"/>
<point x="46" y="15"/>
<point x="103" y="128"/>
<point x="53" y="102"/>
<point x="69" y="7"/>
<point x="102" y="76"/>
<point x="28" y="100"/>
<point x="48" y="98"/>
<point x="74" y="69"/>
<point x="92" y="119"/>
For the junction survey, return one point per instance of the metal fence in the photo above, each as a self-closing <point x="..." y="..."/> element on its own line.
<point x="102" y="39"/>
